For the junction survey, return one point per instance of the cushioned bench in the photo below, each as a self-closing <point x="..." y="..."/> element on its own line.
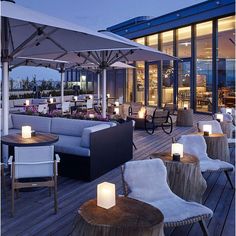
<point x="87" y="148"/>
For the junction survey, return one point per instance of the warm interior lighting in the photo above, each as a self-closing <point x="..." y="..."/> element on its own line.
<point x="26" y="131"/>
<point x="51" y="100"/>
<point x="177" y="148"/>
<point x="207" y="128"/>
<point x="106" y="195"/>
<point x="117" y="110"/>
<point x="228" y="110"/>
<point x="220" y="117"/>
<point x="141" y="113"/>
<point x="27" y="102"/>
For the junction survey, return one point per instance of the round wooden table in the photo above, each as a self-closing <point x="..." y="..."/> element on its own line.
<point x="184" y="117"/>
<point x="37" y="140"/>
<point x="184" y="177"/>
<point x="217" y="146"/>
<point x="128" y="217"/>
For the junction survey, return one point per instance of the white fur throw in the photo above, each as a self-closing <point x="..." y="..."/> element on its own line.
<point x="196" y="145"/>
<point x="147" y="182"/>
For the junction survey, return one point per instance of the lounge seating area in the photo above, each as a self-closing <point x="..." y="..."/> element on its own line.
<point x="72" y="193"/>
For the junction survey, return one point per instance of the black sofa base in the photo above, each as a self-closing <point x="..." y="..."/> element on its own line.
<point x="110" y="148"/>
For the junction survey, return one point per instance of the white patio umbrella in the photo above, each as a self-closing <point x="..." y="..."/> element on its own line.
<point x="28" y="33"/>
<point x="105" y="58"/>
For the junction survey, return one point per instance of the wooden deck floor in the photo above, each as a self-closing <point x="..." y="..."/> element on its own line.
<point x="34" y="210"/>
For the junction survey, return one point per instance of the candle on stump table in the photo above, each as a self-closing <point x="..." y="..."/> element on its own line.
<point x="75" y="98"/>
<point x="228" y="110"/>
<point x="117" y="110"/>
<point x="26" y="131"/>
<point x="51" y="100"/>
<point x="207" y="130"/>
<point x="106" y="195"/>
<point x="219" y="117"/>
<point x="27" y="102"/>
<point x="177" y="149"/>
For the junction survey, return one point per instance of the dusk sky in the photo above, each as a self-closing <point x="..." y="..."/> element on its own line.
<point x="95" y="15"/>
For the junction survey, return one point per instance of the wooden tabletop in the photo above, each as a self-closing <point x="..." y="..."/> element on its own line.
<point x="37" y="140"/>
<point x="166" y="156"/>
<point x="127" y="212"/>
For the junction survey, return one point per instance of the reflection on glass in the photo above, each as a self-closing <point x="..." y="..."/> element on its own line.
<point x="226" y="62"/>
<point x="167" y="42"/>
<point x="204" y="67"/>
<point x="129" y="85"/>
<point x="167" y="82"/>
<point x="152" y="85"/>
<point x="140" y="40"/>
<point x="140" y="81"/>
<point x="152" y="41"/>
<point x="184" y="42"/>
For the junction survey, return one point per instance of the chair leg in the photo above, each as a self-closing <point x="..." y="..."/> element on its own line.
<point x="230" y="181"/>
<point x="55" y="187"/>
<point x="204" y="228"/>
<point x="134" y="145"/>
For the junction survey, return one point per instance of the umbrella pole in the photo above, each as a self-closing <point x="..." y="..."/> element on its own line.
<point x="5" y="95"/>
<point x="99" y="87"/>
<point x="104" y="95"/>
<point x="62" y="71"/>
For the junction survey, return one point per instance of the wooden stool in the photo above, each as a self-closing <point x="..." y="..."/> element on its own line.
<point x="184" y="117"/>
<point x="184" y="177"/>
<point x="128" y="217"/>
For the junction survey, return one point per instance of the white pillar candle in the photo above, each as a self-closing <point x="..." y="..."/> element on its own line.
<point x="117" y="104"/>
<point x="90" y="96"/>
<point x="220" y="117"/>
<point x="177" y="148"/>
<point x="108" y="95"/>
<point x="207" y="128"/>
<point x="228" y="110"/>
<point x="117" y="110"/>
<point x="27" y="102"/>
<point x="106" y="195"/>
<point x="75" y="98"/>
<point x="26" y="131"/>
<point x="186" y="106"/>
<point x="51" y="100"/>
<point x="91" y="116"/>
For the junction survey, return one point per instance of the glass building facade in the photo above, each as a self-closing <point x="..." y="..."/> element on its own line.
<point x="204" y="77"/>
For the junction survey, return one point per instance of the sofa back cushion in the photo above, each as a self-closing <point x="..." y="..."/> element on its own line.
<point x="72" y="127"/>
<point x="10" y="124"/>
<point x="37" y="123"/>
<point x="85" y="139"/>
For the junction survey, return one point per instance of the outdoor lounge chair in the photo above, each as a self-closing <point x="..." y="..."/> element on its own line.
<point x="146" y="180"/>
<point x="159" y="119"/>
<point x="34" y="162"/>
<point x="216" y="128"/>
<point x="196" y="145"/>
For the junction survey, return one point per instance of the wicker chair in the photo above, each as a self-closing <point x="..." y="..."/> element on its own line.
<point x="146" y="181"/>
<point x="159" y="119"/>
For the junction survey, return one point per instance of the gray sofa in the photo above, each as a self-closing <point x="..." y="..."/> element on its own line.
<point x="87" y="148"/>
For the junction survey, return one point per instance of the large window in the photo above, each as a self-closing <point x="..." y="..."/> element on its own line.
<point x="152" y="41"/>
<point x="184" y="42"/>
<point x="152" y="95"/>
<point x="204" y="67"/>
<point x="129" y="85"/>
<point x="140" y="81"/>
<point x="226" y="62"/>
<point x="140" y="40"/>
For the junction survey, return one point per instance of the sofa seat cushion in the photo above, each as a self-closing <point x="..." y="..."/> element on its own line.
<point x="85" y="139"/>
<point x="37" y="123"/>
<point x="71" y="145"/>
<point x="73" y="127"/>
<point x="14" y="131"/>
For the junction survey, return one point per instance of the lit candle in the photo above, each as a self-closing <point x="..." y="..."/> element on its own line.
<point x="51" y="100"/>
<point x="27" y="102"/>
<point x="106" y="195"/>
<point x="75" y="98"/>
<point x="228" y="110"/>
<point x="26" y="131"/>
<point x="177" y="148"/>
<point x="108" y="95"/>
<point x="117" y="110"/>
<point x="117" y="104"/>
<point x="207" y="129"/>
<point x="91" y="116"/>
<point x="220" y="117"/>
<point x="185" y="106"/>
<point x="90" y="96"/>
<point x="141" y="113"/>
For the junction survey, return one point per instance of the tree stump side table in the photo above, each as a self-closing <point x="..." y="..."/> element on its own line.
<point x="217" y="147"/>
<point x="184" y="177"/>
<point x="128" y="217"/>
<point x="184" y="117"/>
